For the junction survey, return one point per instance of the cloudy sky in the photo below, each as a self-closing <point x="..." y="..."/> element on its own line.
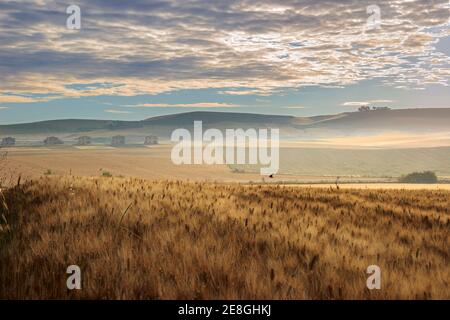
<point x="136" y="59"/>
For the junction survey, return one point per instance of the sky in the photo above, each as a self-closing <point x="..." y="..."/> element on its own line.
<point x="131" y="60"/>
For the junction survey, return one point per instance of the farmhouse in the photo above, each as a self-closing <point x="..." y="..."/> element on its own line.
<point x="8" y="141"/>
<point x="151" y="140"/>
<point x="84" y="141"/>
<point x="118" y="141"/>
<point x="51" y="141"/>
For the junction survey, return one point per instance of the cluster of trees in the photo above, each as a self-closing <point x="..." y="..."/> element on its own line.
<point x="419" y="177"/>
<point x="368" y="108"/>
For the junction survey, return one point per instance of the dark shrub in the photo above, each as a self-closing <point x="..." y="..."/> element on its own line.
<point x="419" y="177"/>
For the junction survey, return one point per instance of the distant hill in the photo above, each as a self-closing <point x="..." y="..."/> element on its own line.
<point x="174" y="121"/>
<point x="348" y="123"/>
<point x="211" y="118"/>
<point x="410" y="120"/>
<point x="65" y="126"/>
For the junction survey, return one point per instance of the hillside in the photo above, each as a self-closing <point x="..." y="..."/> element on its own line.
<point x="411" y="120"/>
<point x="67" y="126"/>
<point x="219" y="118"/>
<point x="163" y="125"/>
<point x="368" y="122"/>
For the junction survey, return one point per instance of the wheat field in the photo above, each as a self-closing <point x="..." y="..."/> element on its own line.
<point x="138" y="239"/>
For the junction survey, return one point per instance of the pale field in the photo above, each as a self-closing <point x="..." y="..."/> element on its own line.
<point x="360" y="163"/>
<point x="148" y="163"/>
<point x="386" y="140"/>
<point x="154" y="163"/>
<point x="151" y="163"/>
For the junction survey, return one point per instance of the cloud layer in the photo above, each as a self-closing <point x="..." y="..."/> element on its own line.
<point x="141" y="47"/>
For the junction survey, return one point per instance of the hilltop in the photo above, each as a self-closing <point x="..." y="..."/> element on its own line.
<point x="347" y="123"/>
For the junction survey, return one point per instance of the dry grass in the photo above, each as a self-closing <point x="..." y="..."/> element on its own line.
<point x="182" y="240"/>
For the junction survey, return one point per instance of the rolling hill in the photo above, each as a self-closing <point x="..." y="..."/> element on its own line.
<point x="410" y="120"/>
<point x="349" y="123"/>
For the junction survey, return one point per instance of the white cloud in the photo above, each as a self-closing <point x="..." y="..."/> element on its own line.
<point x="245" y="92"/>
<point x="152" y="47"/>
<point x="183" y="105"/>
<point x="364" y="103"/>
<point x="296" y="107"/>
<point x="381" y="101"/>
<point x="22" y="99"/>
<point x="116" y="111"/>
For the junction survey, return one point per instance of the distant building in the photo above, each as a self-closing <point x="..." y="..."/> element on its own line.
<point x="380" y="108"/>
<point x="51" y="141"/>
<point x="368" y="108"/>
<point x="151" y="140"/>
<point x="364" y="108"/>
<point x="118" y="141"/>
<point x="84" y="141"/>
<point x="8" y="141"/>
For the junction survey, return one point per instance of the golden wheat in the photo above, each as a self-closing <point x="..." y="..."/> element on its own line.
<point x="136" y="239"/>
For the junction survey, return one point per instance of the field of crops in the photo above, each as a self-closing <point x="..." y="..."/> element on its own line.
<point x="137" y="239"/>
<point x="359" y="162"/>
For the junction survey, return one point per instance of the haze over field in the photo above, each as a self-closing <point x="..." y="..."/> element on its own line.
<point x="363" y="126"/>
<point x="362" y="145"/>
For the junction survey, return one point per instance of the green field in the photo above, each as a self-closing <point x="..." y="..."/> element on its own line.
<point x="383" y="163"/>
